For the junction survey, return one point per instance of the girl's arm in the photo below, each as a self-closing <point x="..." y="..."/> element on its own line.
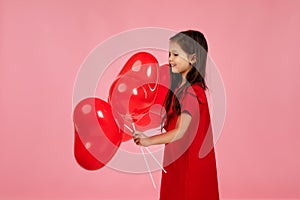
<point x="182" y="125"/>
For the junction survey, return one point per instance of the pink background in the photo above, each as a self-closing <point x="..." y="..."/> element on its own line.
<point x="43" y="43"/>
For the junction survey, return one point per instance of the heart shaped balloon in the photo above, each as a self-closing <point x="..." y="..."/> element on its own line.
<point x="156" y="113"/>
<point x="131" y="98"/>
<point x="163" y="84"/>
<point x="97" y="135"/>
<point x="137" y="60"/>
<point x="82" y="155"/>
<point x="134" y="91"/>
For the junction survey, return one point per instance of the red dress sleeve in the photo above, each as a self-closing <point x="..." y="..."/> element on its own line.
<point x="191" y="98"/>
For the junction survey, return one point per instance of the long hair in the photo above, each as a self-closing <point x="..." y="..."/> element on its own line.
<point x="191" y="42"/>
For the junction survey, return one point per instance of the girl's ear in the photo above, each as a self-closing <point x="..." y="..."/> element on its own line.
<point x="192" y="58"/>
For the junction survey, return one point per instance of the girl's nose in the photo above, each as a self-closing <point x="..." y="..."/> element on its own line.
<point x="170" y="58"/>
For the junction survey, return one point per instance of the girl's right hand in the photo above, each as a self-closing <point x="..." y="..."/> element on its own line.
<point x="141" y="139"/>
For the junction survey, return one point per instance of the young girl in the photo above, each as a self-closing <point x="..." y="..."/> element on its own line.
<point x="189" y="175"/>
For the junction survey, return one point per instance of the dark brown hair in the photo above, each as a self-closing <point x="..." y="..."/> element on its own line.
<point x="191" y="42"/>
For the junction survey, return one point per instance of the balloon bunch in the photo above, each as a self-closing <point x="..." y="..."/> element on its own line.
<point x="101" y="126"/>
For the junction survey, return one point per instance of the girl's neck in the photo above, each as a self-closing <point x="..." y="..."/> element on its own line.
<point x="183" y="81"/>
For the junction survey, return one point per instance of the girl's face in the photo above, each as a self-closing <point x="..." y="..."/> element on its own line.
<point x="178" y="59"/>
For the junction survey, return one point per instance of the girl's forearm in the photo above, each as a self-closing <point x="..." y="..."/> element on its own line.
<point x="182" y="125"/>
<point x="167" y="137"/>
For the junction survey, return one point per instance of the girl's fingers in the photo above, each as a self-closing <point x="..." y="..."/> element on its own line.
<point x="140" y="135"/>
<point x="137" y="137"/>
<point x="137" y="141"/>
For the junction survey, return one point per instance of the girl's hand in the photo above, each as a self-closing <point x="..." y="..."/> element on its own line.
<point x="141" y="139"/>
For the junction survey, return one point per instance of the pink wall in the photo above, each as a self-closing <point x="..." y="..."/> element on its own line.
<point x="42" y="45"/>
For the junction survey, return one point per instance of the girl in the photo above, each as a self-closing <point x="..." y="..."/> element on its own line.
<point x="190" y="175"/>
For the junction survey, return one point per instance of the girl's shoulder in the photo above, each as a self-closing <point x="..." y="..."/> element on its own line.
<point x="197" y="91"/>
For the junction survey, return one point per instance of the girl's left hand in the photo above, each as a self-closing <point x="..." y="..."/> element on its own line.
<point x="141" y="139"/>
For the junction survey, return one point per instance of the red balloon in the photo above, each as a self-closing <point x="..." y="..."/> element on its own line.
<point x="163" y="84"/>
<point x="83" y="157"/>
<point x="97" y="135"/>
<point x="155" y="115"/>
<point x="130" y="102"/>
<point x="135" y="62"/>
<point x="135" y="89"/>
<point x="131" y="98"/>
<point x="135" y="85"/>
<point x="153" y="119"/>
<point x="125" y="126"/>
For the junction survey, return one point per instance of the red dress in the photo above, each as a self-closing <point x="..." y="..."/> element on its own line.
<point x="190" y="176"/>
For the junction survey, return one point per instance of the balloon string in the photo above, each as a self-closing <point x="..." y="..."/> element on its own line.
<point x="154" y="158"/>
<point x="148" y="169"/>
<point x="133" y="126"/>
<point x="128" y="128"/>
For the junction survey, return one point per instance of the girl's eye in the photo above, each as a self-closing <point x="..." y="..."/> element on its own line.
<point x="175" y="54"/>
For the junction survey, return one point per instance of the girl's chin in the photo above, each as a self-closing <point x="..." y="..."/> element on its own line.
<point x="175" y="71"/>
